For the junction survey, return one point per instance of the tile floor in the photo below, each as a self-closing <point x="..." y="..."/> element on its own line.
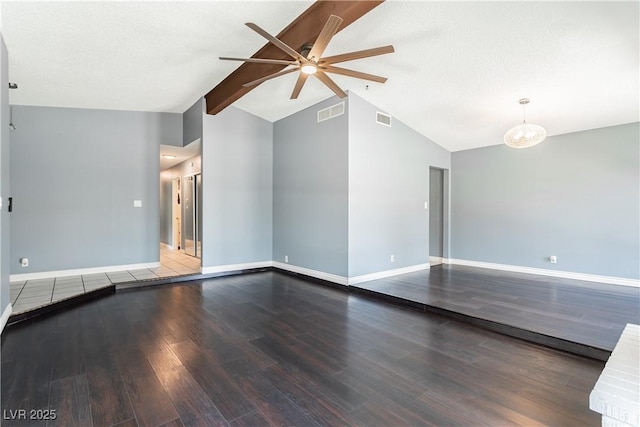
<point x="31" y="294"/>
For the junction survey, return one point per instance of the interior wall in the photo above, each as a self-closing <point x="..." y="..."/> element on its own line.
<point x="77" y="173"/>
<point x="5" y="189"/>
<point x="310" y="190"/>
<point x="237" y="177"/>
<point x="192" y="122"/>
<point x="165" y="209"/>
<point x="388" y="186"/>
<point x="576" y="196"/>
<point x="188" y="167"/>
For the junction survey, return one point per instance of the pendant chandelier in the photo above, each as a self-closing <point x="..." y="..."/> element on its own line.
<point x="525" y="134"/>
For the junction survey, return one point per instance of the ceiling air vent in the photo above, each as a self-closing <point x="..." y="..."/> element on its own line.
<point x="331" y="112"/>
<point x="383" y="119"/>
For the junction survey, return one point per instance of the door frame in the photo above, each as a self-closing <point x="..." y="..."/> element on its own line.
<point x="195" y="208"/>
<point x="176" y="213"/>
<point x="437" y="260"/>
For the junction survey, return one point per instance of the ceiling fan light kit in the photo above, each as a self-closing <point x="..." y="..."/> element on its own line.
<point x="309" y="68"/>
<point x="525" y="134"/>
<point x="309" y="61"/>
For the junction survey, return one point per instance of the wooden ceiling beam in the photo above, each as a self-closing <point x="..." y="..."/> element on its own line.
<point x="304" y="29"/>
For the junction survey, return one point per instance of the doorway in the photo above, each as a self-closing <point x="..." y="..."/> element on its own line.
<point x="176" y="215"/>
<point x="180" y="210"/>
<point x="192" y="227"/>
<point x="436" y="215"/>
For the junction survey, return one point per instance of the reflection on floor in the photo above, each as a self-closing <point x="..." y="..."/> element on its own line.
<point x="32" y="294"/>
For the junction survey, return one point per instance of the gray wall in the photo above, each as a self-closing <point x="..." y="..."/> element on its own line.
<point x="388" y="185"/>
<point x="75" y="174"/>
<point x="5" y="189"/>
<point x="310" y="190"/>
<point x="171" y="129"/>
<point x="192" y="122"/>
<point x="166" y="190"/>
<point x="575" y="196"/>
<point x="165" y="209"/>
<point x="237" y="170"/>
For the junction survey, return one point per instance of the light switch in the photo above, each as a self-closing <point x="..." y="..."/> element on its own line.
<point x="137" y="203"/>
<point x="426" y="205"/>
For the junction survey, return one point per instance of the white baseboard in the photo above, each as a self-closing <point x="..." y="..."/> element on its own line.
<point x="81" y="271"/>
<point x="341" y="280"/>
<point x="387" y="273"/>
<point x="236" y="267"/>
<point x="552" y="273"/>
<point x="5" y="316"/>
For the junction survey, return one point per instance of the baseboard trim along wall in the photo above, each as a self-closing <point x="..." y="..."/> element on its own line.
<point x="387" y="273"/>
<point x="236" y="267"/>
<point x="5" y="316"/>
<point x="341" y="280"/>
<point x="543" y="272"/>
<point x="81" y="271"/>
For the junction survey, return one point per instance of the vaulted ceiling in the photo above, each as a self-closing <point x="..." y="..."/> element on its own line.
<point x="456" y="76"/>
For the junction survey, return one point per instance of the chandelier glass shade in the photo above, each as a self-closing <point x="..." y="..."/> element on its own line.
<point x="525" y="134"/>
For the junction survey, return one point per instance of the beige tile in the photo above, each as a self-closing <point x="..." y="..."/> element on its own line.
<point x="139" y="274"/>
<point x="40" y="281"/>
<point x="33" y="302"/>
<point x="30" y="285"/>
<point x="71" y="285"/>
<point x="96" y="279"/>
<point x="20" y="307"/>
<point x="94" y="276"/>
<point x="93" y="287"/>
<point x="123" y="279"/>
<point x="39" y="294"/>
<point x="59" y="297"/>
<point x="68" y="279"/>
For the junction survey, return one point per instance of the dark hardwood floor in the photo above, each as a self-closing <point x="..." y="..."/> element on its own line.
<point x="270" y="349"/>
<point x="593" y="314"/>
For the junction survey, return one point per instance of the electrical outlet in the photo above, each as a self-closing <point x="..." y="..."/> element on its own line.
<point x="553" y="259"/>
<point x="393" y="258"/>
<point x="286" y="258"/>
<point x="24" y="262"/>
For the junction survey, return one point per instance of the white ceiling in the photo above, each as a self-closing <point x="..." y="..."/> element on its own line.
<point x="457" y="74"/>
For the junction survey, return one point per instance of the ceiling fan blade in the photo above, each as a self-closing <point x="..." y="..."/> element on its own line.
<point x="271" y="76"/>
<point x="283" y="46"/>
<point x="328" y="31"/>
<point x="259" y="60"/>
<point x="357" y="55"/>
<point x="330" y="83"/>
<point x="302" y="78"/>
<point x="352" y="73"/>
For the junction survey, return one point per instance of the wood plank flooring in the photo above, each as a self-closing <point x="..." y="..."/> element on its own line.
<point x="269" y="349"/>
<point x="593" y="314"/>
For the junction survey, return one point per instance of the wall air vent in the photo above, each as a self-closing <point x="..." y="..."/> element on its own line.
<point x="331" y="112"/>
<point x="383" y="119"/>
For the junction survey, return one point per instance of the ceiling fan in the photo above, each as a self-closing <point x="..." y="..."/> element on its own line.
<point x="309" y="60"/>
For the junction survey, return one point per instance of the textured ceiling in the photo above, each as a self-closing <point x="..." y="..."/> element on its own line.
<point x="457" y="74"/>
